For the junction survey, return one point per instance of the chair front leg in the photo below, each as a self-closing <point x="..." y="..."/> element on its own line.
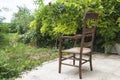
<point x="91" y="62"/>
<point x="80" y="67"/>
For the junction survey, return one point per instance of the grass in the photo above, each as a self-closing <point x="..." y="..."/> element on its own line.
<point x="17" y="57"/>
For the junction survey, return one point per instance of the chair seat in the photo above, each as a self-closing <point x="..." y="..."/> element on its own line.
<point x="76" y="50"/>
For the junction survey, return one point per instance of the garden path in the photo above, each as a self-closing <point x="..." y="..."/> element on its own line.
<point x="106" y="67"/>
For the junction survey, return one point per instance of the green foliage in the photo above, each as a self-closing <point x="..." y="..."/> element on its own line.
<point x="62" y="18"/>
<point x="16" y="57"/>
<point x="4" y="28"/>
<point x="118" y="21"/>
<point x="21" y="20"/>
<point x="7" y="71"/>
<point x="1" y="28"/>
<point x="60" y="21"/>
<point x="65" y="17"/>
<point x="13" y="28"/>
<point x="108" y="22"/>
<point x="34" y="37"/>
<point x="1" y="18"/>
<point x="39" y="2"/>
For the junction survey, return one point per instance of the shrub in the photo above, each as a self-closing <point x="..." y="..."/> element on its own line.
<point x="6" y="71"/>
<point x="65" y="18"/>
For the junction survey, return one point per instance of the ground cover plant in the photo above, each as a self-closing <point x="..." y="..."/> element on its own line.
<point x="16" y="57"/>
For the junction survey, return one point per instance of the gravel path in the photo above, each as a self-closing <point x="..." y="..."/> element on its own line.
<point x="105" y="68"/>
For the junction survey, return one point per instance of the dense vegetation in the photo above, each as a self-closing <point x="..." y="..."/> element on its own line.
<point x="29" y="38"/>
<point x="65" y="18"/>
<point x="17" y="57"/>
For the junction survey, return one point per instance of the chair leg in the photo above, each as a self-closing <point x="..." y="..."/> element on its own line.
<point x="91" y="62"/>
<point x="59" y="67"/>
<point x="80" y="72"/>
<point x="60" y="60"/>
<point x="80" y="68"/>
<point x="73" y="59"/>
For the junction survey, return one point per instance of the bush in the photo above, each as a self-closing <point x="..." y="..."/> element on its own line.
<point x="65" y="18"/>
<point x="4" y="27"/>
<point x="35" y="38"/>
<point x="21" y="20"/>
<point x="12" y="28"/>
<point x="6" y="71"/>
<point x="3" y="30"/>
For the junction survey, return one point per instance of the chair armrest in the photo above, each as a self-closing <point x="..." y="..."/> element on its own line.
<point x="77" y="36"/>
<point x="70" y="37"/>
<point x="61" y="38"/>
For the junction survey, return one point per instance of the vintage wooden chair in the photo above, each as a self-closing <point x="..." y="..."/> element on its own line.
<point x="85" y="46"/>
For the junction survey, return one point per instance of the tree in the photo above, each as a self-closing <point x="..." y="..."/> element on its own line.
<point x="2" y="26"/>
<point x="21" y="19"/>
<point x="65" y="18"/>
<point x="1" y="17"/>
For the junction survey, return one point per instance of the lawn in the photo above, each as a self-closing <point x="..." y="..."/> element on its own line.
<point x="16" y="57"/>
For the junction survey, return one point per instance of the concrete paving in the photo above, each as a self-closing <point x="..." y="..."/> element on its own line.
<point x="106" y="67"/>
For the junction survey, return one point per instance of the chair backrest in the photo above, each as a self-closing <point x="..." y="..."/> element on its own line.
<point x="88" y="30"/>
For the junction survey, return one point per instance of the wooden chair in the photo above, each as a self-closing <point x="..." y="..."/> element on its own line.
<point x="85" y="46"/>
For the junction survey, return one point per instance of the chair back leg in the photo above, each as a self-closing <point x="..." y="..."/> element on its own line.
<point x="73" y="59"/>
<point x="60" y="62"/>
